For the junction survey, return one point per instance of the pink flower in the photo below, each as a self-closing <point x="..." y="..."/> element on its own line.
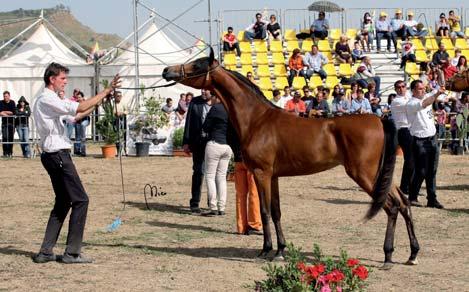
<point x="338" y="289"/>
<point x="326" y="288"/>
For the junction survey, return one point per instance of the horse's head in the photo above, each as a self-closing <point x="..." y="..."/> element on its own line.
<point x="194" y="74"/>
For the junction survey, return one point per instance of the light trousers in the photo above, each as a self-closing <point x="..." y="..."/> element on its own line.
<point x="217" y="158"/>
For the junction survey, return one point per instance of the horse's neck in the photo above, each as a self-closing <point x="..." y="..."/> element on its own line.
<point x="241" y="102"/>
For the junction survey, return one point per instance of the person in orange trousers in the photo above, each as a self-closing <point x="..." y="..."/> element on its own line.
<point x="248" y="215"/>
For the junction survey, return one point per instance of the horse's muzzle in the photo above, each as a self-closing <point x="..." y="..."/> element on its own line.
<point x="170" y="75"/>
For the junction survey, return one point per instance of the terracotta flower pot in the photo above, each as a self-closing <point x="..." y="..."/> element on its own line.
<point x="109" y="151"/>
<point x="180" y="153"/>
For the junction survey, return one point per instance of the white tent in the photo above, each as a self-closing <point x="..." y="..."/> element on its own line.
<point x="156" y="51"/>
<point x="22" y="71"/>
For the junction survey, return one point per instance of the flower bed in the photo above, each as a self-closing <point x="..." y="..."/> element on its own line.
<point x="322" y="274"/>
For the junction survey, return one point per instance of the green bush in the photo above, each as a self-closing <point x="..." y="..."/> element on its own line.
<point x="178" y="136"/>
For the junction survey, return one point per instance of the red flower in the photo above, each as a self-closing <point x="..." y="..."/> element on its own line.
<point x="361" y="272"/>
<point x="315" y="271"/>
<point x="335" y="276"/>
<point x="301" y="266"/>
<point x="352" y="262"/>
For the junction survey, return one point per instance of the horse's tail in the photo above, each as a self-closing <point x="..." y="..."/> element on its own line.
<point x="383" y="181"/>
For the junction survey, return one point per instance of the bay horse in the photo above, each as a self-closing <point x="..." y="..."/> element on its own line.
<point x="276" y="143"/>
<point x="459" y="82"/>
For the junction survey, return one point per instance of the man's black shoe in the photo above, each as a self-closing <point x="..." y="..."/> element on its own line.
<point x="210" y="213"/>
<point x="75" y="259"/>
<point x="221" y="213"/>
<point x="42" y="258"/>
<point x="252" y="231"/>
<point x="415" y="203"/>
<point x="195" y="210"/>
<point x="435" y="204"/>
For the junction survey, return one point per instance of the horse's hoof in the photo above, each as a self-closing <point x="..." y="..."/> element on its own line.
<point x="412" y="262"/>
<point x="263" y="255"/>
<point x="278" y="258"/>
<point x="387" y="266"/>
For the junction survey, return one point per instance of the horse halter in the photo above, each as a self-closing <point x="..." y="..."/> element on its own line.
<point x="185" y="76"/>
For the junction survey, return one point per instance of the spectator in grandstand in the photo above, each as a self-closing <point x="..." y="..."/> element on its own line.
<point x="22" y="125"/>
<point x="367" y="32"/>
<point x="277" y="99"/>
<point x="308" y="97"/>
<point x="360" y="105"/>
<point x="79" y="148"/>
<point x="230" y="42"/>
<point x="457" y="53"/>
<point x="440" y="114"/>
<point x="318" y="107"/>
<point x="168" y="108"/>
<point x="354" y="90"/>
<point x="383" y="29"/>
<point x="287" y="94"/>
<point x="398" y="26"/>
<point x="217" y="157"/>
<point x="295" y="64"/>
<point x="407" y="54"/>
<point x="314" y="61"/>
<point x="257" y="30"/>
<point x="454" y="22"/>
<point x="342" y="50"/>
<point x="357" y="52"/>
<point x="366" y="74"/>
<point x="7" y="111"/>
<point x="413" y="27"/>
<point x="273" y="28"/>
<point x="341" y="104"/>
<point x="462" y="65"/>
<point x="250" y="77"/>
<point x="296" y="105"/>
<point x="374" y="99"/>
<point x="442" y="26"/>
<point x="319" y="28"/>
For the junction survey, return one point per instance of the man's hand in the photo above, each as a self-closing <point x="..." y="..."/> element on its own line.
<point x="186" y="149"/>
<point x="115" y="83"/>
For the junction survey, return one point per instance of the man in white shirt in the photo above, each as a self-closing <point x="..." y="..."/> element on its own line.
<point x="49" y="111"/>
<point x="314" y="60"/>
<point x="424" y="146"/>
<point x="399" y="115"/>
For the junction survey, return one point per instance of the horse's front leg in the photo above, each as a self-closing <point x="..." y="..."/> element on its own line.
<point x="263" y="183"/>
<point x="276" y="215"/>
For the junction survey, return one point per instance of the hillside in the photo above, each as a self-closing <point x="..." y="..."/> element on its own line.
<point x="13" y="22"/>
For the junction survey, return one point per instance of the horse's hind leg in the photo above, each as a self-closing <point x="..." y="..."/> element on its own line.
<point x="392" y="210"/>
<point x="263" y="183"/>
<point x="276" y="215"/>
<point x="407" y="214"/>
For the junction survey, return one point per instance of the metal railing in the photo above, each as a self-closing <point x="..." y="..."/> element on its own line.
<point x="300" y="19"/>
<point x="240" y="19"/>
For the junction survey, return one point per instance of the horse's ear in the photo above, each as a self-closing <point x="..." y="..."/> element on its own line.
<point x="211" y="56"/>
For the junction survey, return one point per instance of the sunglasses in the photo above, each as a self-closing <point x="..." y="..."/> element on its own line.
<point x="401" y="86"/>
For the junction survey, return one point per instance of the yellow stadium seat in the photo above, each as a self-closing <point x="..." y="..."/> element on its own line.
<point x="461" y="44"/>
<point x="421" y="56"/>
<point x="306" y="45"/>
<point x="268" y="94"/>
<point x="245" y="47"/>
<point x="263" y="71"/>
<point x="451" y="53"/>
<point x="334" y="33"/>
<point x="290" y="35"/>
<point x="231" y="67"/>
<point x="276" y="46"/>
<point x="278" y="58"/>
<point x="229" y="59"/>
<point x="329" y="56"/>
<point x="465" y="53"/>
<point x="291" y="45"/>
<point x="323" y="46"/>
<point x="265" y="83"/>
<point x="351" y="33"/>
<point x="260" y="46"/>
<point x="330" y="69"/>
<point x="413" y="77"/>
<point x="417" y="44"/>
<point x="430" y="44"/>
<point x="246" y="59"/>
<point x="298" y="82"/>
<point x="355" y="66"/>
<point x="331" y="81"/>
<point x="240" y="35"/>
<point x="345" y="70"/>
<point x="399" y="45"/>
<point x="467" y="31"/>
<point x="281" y="82"/>
<point x="411" y="68"/>
<point x="315" y="81"/>
<point x="245" y="69"/>
<point x="280" y="70"/>
<point x="261" y="59"/>
<point x="448" y="44"/>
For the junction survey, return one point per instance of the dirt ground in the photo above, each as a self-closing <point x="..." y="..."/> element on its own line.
<point x="168" y="249"/>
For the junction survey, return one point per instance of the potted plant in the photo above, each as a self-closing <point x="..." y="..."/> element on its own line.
<point x="106" y="127"/>
<point x="178" y="136"/>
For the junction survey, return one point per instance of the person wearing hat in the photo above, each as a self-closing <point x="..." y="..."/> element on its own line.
<point x="383" y="29"/>
<point x="22" y="125"/>
<point x="296" y="105"/>
<point x="412" y="26"/>
<point x="398" y="27"/>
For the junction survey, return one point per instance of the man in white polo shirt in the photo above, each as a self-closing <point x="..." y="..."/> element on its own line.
<point x="399" y="115"/>
<point x="49" y="111"/>
<point x="424" y="145"/>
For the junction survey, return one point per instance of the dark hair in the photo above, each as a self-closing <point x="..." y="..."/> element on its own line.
<point x="360" y="91"/>
<point x="54" y="69"/>
<point x="464" y="95"/>
<point x="275" y="92"/>
<point x="230" y="28"/>
<point x="322" y="13"/>
<point x="305" y="87"/>
<point x="398" y="82"/>
<point x="80" y="93"/>
<point x="459" y="61"/>
<point x="442" y="15"/>
<point x="286" y="87"/>
<point x="326" y="90"/>
<point x="295" y="51"/>
<point x="258" y="14"/>
<point x="6" y="92"/>
<point x="451" y="11"/>
<point x="414" y="84"/>
<point x="169" y="99"/>
<point x="391" y="97"/>
<point x="314" y="46"/>
<point x="190" y="93"/>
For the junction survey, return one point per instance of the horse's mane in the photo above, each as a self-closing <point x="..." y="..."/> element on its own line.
<point x="258" y="93"/>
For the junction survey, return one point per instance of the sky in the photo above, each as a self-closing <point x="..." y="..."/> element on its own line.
<point x="116" y="16"/>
